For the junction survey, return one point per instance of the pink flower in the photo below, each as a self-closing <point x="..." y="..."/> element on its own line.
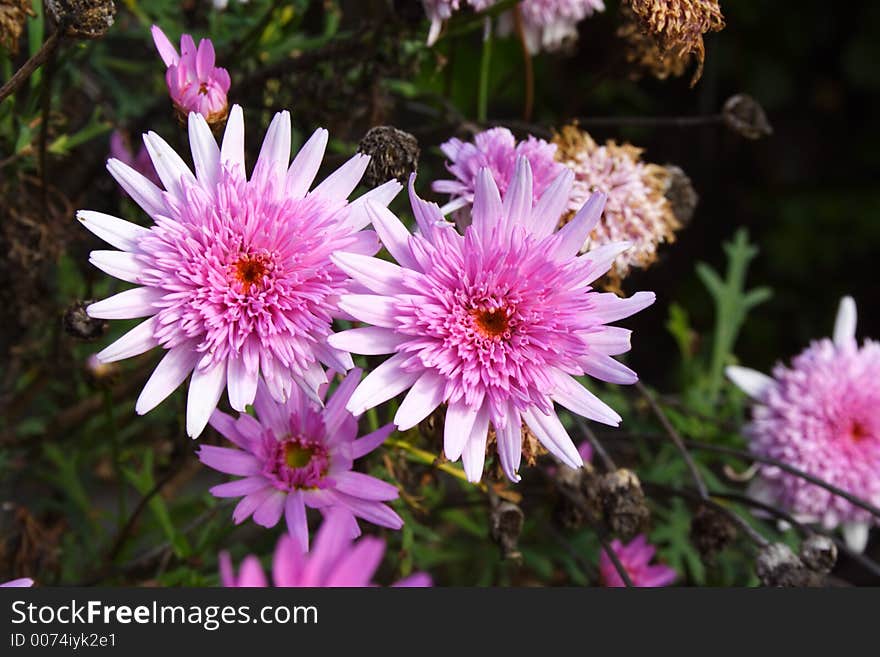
<point x="635" y="557"/>
<point x="121" y="150"/>
<point x="195" y="84"/>
<point x="235" y="274"/>
<point x="820" y="415"/>
<point x="439" y="11"/>
<point x="18" y="583"/>
<point x="334" y="561"/>
<point x="498" y="150"/>
<point x="495" y="323"/>
<point x="300" y="454"/>
<point x="549" y="24"/>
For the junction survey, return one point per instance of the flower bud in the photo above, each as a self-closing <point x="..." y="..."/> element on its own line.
<point x="711" y="532"/>
<point x="776" y="565"/>
<point x="744" y="115"/>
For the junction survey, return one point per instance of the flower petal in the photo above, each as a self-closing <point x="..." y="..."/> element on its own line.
<point x="755" y="384"/>
<point x="305" y="165"/>
<point x="137" y="341"/>
<point x="426" y="395"/>
<point x="368" y="340"/>
<point x="131" y="304"/>
<point x="117" y="232"/>
<point x="205" y="388"/>
<point x="171" y="371"/>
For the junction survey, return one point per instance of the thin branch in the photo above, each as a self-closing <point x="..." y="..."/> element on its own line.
<point x="671" y="121"/>
<point x="607" y="461"/>
<point x="615" y="560"/>
<point x="676" y="438"/>
<point x="27" y="69"/>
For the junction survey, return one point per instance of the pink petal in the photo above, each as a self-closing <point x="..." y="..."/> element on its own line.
<point x="305" y="165"/>
<point x="368" y="340"/>
<point x="205" y="388"/>
<point x="122" y="234"/>
<point x="168" y="375"/>
<point x="426" y="394"/>
<point x="383" y="383"/>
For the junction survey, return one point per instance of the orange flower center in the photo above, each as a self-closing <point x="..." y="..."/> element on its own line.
<point x="491" y="323"/>
<point x="251" y="269"/>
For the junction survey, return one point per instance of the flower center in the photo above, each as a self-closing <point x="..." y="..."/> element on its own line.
<point x="295" y="463"/>
<point x="490" y="323"/>
<point x="858" y="432"/>
<point x="296" y="455"/>
<point x="250" y="269"/>
<point x="203" y="88"/>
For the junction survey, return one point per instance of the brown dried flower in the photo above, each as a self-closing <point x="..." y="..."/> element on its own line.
<point x="84" y="19"/>
<point x="623" y="503"/>
<point x="394" y="154"/>
<point x="13" y="17"/>
<point x="678" y="26"/>
<point x="637" y="209"/>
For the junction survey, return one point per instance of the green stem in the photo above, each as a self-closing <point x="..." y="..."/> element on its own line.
<point x="428" y="458"/>
<point x="485" y="61"/>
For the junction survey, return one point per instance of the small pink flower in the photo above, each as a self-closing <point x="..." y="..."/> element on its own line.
<point x="121" y="149"/>
<point x="820" y="415"/>
<point x="195" y="84"/>
<point x="334" y="561"/>
<point x="635" y="557"/>
<point x="498" y="150"/>
<point x="18" y="583"/>
<point x="300" y="454"/>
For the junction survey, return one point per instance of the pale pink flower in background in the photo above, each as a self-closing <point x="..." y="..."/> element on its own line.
<point x="195" y="84"/>
<point x="23" y="582"/>
<point x="300" y="454"/>
<point x="550" y="24"/>
<point x="498" y="150"/>
<point x="821" y="415"/>
<point x="635" y="557"/>
<point x="334" y="561"/>
<point x="494" y="323"/>
<point x="120" y="149"/>
<point x="439" y="11"/>
<point x="234" y="275"/>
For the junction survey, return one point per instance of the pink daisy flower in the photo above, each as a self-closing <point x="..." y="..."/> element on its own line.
<point x="498" y="150"/>
<point x="300" y="454"/>
<point x="23" y="582"/>
<point x="121" y="150"/>
<point x="195" y="84"/>
<point x="496" y="323"/>
<point x="334" y="561"/>
<point x="235" y="274"/>
<point x="820" y="415"/>
<point x="635" y="557"/>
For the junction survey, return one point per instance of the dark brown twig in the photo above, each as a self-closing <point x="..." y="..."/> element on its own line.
<point x="27" y="69"/>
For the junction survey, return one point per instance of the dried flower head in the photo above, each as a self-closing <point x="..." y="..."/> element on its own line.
<point x="84" y="19"/>
<point x="711" y="531"/>
<point x="679" y="25"/>
<point x="394" y="154"/>
<point x="776" y="565"/>
<point x="78" y="324"/>
<point x="644" y="53"/>
<point x="819" y="553"/>
<point x="13" y="18"/>
<point x="637" y="210"/>
<point x="623" y="502"/>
